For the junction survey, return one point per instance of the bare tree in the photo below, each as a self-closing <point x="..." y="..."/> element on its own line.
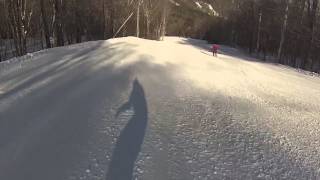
<point x="45" y="24"/>
<point x="259" y="31"/>
<point x="312" y="19"/>
<point x="164" y="18"/>
<point x="138" y="18"/>
<point x="284" y="28"/>
<point x="20" y="13"/>
<point x="57" y="22"/>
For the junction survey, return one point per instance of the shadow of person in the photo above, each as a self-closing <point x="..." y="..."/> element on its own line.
<point x="131" y="138"/>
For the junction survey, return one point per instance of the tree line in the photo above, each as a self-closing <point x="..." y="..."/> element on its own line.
<point x="287" y="31"/>
<point x="29" y="25"/>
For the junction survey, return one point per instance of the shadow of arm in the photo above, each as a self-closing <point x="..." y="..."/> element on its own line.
<point x="123" y="108"/>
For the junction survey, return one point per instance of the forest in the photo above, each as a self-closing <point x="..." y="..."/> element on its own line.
<point x="280" y="31"/>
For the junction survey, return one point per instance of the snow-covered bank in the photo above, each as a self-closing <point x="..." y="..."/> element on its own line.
<point x="17" y="63"/>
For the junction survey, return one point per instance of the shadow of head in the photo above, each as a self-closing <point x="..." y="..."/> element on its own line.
<point x="128" y="145"/>
<point x="137" y="99"/>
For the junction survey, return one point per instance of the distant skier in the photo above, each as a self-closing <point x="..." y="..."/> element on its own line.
<point x="215" y="49"/>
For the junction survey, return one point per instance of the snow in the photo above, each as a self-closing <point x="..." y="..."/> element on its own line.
<point x="159" y="110"/>
<point x="198" y="4"/>
<point x="207" y="7"/>
<point x="213" y="11"/>
<point x="175" y="3"/>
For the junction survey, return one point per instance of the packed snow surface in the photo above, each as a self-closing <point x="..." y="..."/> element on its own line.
<point x="130" y="108"/>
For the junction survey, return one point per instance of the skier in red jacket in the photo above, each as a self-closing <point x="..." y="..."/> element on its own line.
<point x="215" y="49"/>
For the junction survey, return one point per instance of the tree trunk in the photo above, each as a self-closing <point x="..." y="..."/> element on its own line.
<point x="164" y="20"/>
<point x="111" y="21"/>
<point x="313" y="31"/>
<point x="138" y="19"/>
<point x="57" y="5"/>
<point x="45" y="24"/>
<point x="148" y="27"/>
<point x="259" y="31"/>
<point x="283" y="31"/>
<point x="312" y="14"/>
<point x="19" y="17"/>
<point x="146" y="12"/>
<point x="298" y="43"/>
<point x="124" y="23"/>
<point x="104" y="19"/>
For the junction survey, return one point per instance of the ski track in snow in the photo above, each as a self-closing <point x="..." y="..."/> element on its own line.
<point x="157" y="110"/>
